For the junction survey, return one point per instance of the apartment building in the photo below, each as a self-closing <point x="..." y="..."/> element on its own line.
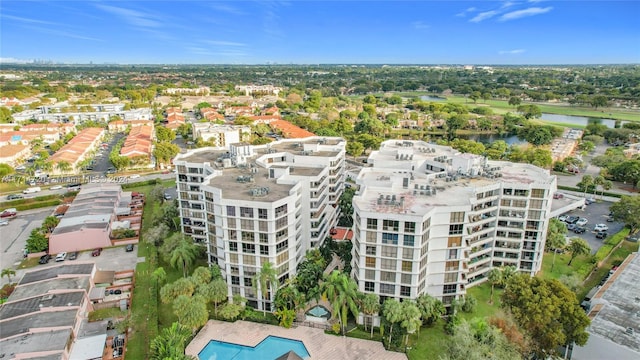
<point x="255" y="204"/>
<point x="428" y="219"/>
<point x="221" y="135"/>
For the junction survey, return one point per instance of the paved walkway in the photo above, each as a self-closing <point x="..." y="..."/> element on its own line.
<point x="319" y="345"/>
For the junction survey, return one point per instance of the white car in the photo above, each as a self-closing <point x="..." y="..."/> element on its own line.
<point x="582" y="222"/>
<point x="562" y="217"/>
<point x="57" y="187"/>
<point x="4" y="222"/>
<point x="134" y="176"/>
<point x="601" y="227"/>
<point x="61" y="256"/>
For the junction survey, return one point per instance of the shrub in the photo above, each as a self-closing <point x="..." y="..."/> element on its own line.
<point x="469" y="304"/>
<point x="335" y="328"/>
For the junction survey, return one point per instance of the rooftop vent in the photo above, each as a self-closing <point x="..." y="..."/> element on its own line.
<point x="259" y="191"/>
<point x="629" y="331"/>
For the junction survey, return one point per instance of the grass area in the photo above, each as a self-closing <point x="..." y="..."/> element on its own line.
<point x="28" y="263"/>
<point x="617" y="256"/>
<point x="429" y="343"/>
<point x="484" y="309"/>
<point x="581" y="265"/>
<point x="10" y="187"/>
<point x="106" y="313"/>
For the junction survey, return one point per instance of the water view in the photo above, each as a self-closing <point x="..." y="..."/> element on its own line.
<point x="578" y="120"/>
<point x="432" y="98"/>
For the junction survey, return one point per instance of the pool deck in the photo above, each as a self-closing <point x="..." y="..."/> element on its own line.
<point x="319" y="345"/>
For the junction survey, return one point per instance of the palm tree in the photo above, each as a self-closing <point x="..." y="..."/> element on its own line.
<point x="430" y="308"/>
<point x="183" y="256"/>
<point x="578" y="246"/>
<point x="170" y="343"/>
<point x="598" y="181"/>
<point x="495" y="278"/>
<point x="607" y="185"/>
<point x="343" y="295"/>
<point x="8" y="273"/>
<point x="49" y="223"/>
<point x="64" y="166"/>
<point x="263" y="283"/>
<point x="556" y="237"/>
<point x="411" y="318"/>
<point x="215" y="291"/>
<point x="586" y="182"/>
<point x="191" y="311"/>
<point x="370" y="306"/>
<point x="392" y="312"/>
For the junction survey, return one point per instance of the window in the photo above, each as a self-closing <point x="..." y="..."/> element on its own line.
<point x="248" y="248"/>
<point x="370" y="274"/>
<point x="451" y="266"/>
<point x="369" y="286"/>
<point x="281" y="258"/>
<point x="408" y="240"/>
<point x="390" y="225"/>
<point x="281" y="210"/>
<point x="426" y="224"/>
<point x="246" y="212"/>
<point x="262" y="213"/>
<point x="370" y="250"/>
<point x="231" y="222"/>
<point x="370" y="262"/>
<point x="455" y="229"/>
<point x="454" y="241"/>
<point x="387" y="289"/>
<point x="281" y="246"/>
<point x="233" y="246"/>
<point x="282" y="222"/>
<point x="372" y="236"/>
<point x="264" y="250"/>
<point x="248" y="260"/>
<point x="453" y="254"/>
<point x="264" y="238"/>
<point x="372" y="224"/>
<point x="248" y="282"/>
<point x="281" y="234"/>
<point x="406" y="279"/>
<point x="407" y="253"/>
<point x="389" y="251"/>
<point x="537" y="193"/>
<point x="405" y="291"/>
<point x="520" y="203"/>
<point x="507" y="191"/>
<point x="457" y="217"/>
<point x="519" y="192"/>
<point x="449" y="289"/>
<point x="235" y="280"/>
<point x="388" y="264"/>
<point x="231" y="210"/>
<point x="536" y="204"/>
<point x="387" y="276"/>
<point x="407" y="266"/>
<point x="388" y="238"/>
<point x="450" y="277"/>
<point x="409" y="227"/>
<point x="248" y="236"/>
<point x="233" y="235"/>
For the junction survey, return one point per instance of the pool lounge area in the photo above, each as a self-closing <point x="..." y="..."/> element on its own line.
<point x="239" y="340"/>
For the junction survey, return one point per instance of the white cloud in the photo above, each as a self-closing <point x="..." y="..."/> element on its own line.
<point x="524" y="13"/>
<point x="28" y="20"/>
<point x="465" y="12"/>
<point x="511" y="52"/>
<point x="419" y="25"/>
<point x="133" y="17"/>
<point x="226" y="8"/>
<point x="10" y="60"/>
<point x="223" y="43"/>
<point x="484" y="16"/>
<point x="62" y="33"/>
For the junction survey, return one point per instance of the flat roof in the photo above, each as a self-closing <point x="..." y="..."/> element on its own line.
<point x="231" y="188"/>
<point x="55" y="340"/>
<point x="55" y="271"/>
<point x="90" y="347"/>
<point x="34" y="305"/>
<point x="38" y="320"/>
<point x="617" y="308"/>
<point x="32" y="289"/>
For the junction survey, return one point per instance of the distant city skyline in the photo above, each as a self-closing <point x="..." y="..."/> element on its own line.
<point x="533" y="32"/>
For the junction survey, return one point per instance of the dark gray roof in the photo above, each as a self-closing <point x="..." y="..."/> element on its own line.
<point x="37" y="320"/>
<point x="33" y="289"/>
<point x="37" y="342"/>
<point x="26" y="306"/>
<point x="55" y="271"/>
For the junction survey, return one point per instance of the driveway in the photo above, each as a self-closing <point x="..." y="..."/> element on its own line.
<point x="112" y="259"/>
<point x="596" y="213"/>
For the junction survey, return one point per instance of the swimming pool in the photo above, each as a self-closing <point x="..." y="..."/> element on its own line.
<point x="270" y="348"/>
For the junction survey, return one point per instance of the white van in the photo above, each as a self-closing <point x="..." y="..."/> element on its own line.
<point x="32" y="190"/>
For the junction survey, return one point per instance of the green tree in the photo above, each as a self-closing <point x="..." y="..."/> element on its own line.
<point x="163" y="134"/>
<point x="182" y="286"/>
<point x="556" y="233"/>
<point x="64" y="166"/>
<point x="411" y="318"/>
<point x="514" y="101"/>
<point x="455" y="122"/>
<point x="599" y="101"/>
<point x="5" y="170"/>
<point x="37" y="242"/>
<point x="49" y="223"/>
<point x="155" y="235"/>
<point x="431" y="309"/>
<point x="392" y="312"/>
<point x="191" y="311"/>
<point x="286" y="317"/>
<point x="342" y="293"/>
<point x="170" y="343"/>
<point x="354" y="148"/>
<point x="201" y="275"/>
<point x="370" y="307"/>
<point x="8" y="272"/>
<point x="183" y="256"/>
<point x="585" y="183"/>
<point x="548" y="311"/>
<point x="165" y="151"/>
<point x="159" y="275"/>
<point x="157" y="193"/>
<point x="475" y="96"/>
<point x="627" y="210"/>
<point x="530" y="111"/>
<point x="264" y="283"/>
<point x="215" y="291"/>
<point x="495" y="278"/>
<point x="477" y="340"/>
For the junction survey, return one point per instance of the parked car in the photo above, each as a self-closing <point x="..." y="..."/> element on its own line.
<point x="14" y="197"/>
<point x="4" y="222"/>
<point x="610" y="219"/>
<point x="600" y="227"/>
<point x="61" y="256"/>
<point x="73" y="255"/>
<point x="571" y="219"/>
<point x="129" y="248"/>
<point x="134" y="176"/>
<point x="571" y="227"/>
<point x="601" y="235"/>
<point x="562" y="217"/>
<point x="579" y="229"/>
<point x="57" y="187"/>
<point x="96" y="252"/>
<point x="32" y="190"/>
<point x="167" y="196"/>
<point x="582" y="222"/>
<point x="44" y="259"/>
<point x="589" y="201"/>
<point x="558" y="196"/>
<point x="8" y="213"/>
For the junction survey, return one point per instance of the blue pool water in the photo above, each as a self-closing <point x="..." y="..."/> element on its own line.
<point x="270" y="348"/>
<point x="319" y="311"/>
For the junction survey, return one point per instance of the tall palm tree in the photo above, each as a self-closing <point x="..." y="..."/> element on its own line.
<point x="170" y="343"/>
<point x="578" y="246"/>
<point x="64" y="166"/>
<point x="342" y="292"/>
<point x="495" y="278"/>
<point x="430" y="307"/>
<point x="370" y="306"/>
<point x="191" y="311"/>
<point x="263" y="282"/>
<point x="555" y="237"/>
<point x="411" y="318"/>
<point x="183" y="256"/>
<point x="49" y="223"/>
<point x="392" y="312"/>
<point x="8" y="273"/>
<point x="607" y="185"/>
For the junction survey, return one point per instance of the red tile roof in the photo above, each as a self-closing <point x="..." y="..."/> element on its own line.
<point x="289" y="130"/>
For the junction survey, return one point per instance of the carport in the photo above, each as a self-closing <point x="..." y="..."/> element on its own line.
<point x="88" y="348"/>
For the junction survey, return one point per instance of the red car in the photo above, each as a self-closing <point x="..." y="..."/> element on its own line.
<point x="96" y="252"/>
<point x="8" y="213"/>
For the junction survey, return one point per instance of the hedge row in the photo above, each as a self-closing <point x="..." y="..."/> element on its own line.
<point x="15" y="203"/>
<point x="611" y="243"/>
<point x="141" y="183"/>
<point x="571" y="188"/>
<point x="38" y="205"/>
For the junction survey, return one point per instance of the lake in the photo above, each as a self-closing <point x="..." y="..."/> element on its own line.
<point x="578" y="120"/>
<point x="432" y="98"/>
<point x="490" y="138"/>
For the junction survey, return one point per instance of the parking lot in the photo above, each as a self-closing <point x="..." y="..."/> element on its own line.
<point x="596" y="213"/>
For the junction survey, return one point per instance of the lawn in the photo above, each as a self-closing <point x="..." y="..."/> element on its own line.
<point x="106" y="313"/>
<point x="581" y="265"/>
<point x="429" y="343"/>
<point x="484" y="309"/>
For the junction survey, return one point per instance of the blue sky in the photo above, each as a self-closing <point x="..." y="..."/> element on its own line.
<point x="312" y="32"/>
